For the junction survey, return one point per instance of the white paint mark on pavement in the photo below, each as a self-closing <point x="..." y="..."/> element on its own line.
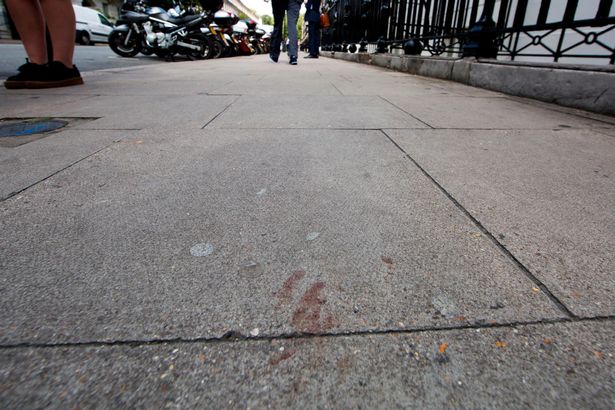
<point x="312" y="236"/>
<point x="446" y="306"/>
<point x="202" y="249"/>
<point x="261" y="192"/>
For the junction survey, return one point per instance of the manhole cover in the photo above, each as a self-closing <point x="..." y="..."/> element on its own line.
<point x="24" y="128"/>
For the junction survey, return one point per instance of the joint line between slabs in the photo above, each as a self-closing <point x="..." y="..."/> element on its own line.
<point x="301" y="336"/>
<point x="402" y="110"/>
<point x="12" y="194"/>
<point x="488" y="234"/>
<point x="337" y="89"/>
<point x="558" y="109"/>
<point x="221" y="112"/>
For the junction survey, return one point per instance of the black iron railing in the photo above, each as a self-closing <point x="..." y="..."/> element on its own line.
<point x="543" y="30"/>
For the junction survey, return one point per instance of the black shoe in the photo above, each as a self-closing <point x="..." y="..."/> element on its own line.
<point x="57" y="75"/>
<point x="27" y="72"/>
<point x="310" y="56"/>
<point x="274" y="57"/>
<point x="293" y="60"/>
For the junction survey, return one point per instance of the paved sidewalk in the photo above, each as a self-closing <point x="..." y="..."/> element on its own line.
<point x="235" y="233"/>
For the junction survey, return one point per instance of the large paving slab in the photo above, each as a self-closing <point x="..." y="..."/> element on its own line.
<point x="559" y="366"/>
<point x="200" y="233"/>
<point x="266" y="79"/>
<point x="547" y="195"/>
<point x="165" y="79"/>
<point x="18" y="105"/>
<point x="487" y="113"/>
<point x="175" y="78"/>
<point x="33" y="162"/>
<point x="314" y="111"/>
<point x="136" y="112"/>
<point x="377" y="81"/>
<point x="161" y="113"/>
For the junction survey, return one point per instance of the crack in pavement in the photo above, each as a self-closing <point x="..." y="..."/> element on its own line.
<point x="236" y="337"/>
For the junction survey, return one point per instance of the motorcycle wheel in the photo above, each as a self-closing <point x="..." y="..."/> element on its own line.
<point x="217" y="49"/>
<point x="202" y="41"/>
<point x="164" y="53"/>
<point x="147" y="50"/>
<point x="117" y="40"/>
<point x="227" y="51"/>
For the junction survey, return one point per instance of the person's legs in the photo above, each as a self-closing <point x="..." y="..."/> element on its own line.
<point x="30" y="18"/>
<point x="29" y="21"/>
<point x="279" y="9"/>
<point x="313" y="37"/>
<point x="293" y="15"/>
<point x="60" y="18"/>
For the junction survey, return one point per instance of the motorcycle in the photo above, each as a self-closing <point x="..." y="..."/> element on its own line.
<point x="260" y="41"/>
<point x="143" y="28"/>
<point x="224" y="45"/>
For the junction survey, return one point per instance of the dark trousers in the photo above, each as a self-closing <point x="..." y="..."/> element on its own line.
<point x="314" y="37"/>
<point x="279" y="8"/>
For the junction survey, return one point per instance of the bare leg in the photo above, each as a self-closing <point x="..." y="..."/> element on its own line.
<point x="28" y="18"/>
<point x="60" y="18"/>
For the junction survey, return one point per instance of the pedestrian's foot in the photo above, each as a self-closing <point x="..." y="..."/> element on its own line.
<point x="57" y="75"/>
<point x="310" y="56"/>
<point x="274" y="57"/>
<point x="293" y="60"/>
<point x="27" y="72"/>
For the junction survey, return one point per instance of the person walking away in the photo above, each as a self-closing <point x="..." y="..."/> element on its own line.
<point x="312" y="16"/>
<point x="279" y="8"/>
<point x="31" y="17"/>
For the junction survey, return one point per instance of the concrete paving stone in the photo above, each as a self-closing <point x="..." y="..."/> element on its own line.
<point x="28" y="164"/>
<point x="608" y="122"/>
<point x="488" y="113"/>
<point x="278" y="83"/>
<point x="19" y="104"/>
<point x="156" y="112"/>
<point x="547" y="195"/>
<point x="129" y="111"/>
<point x="607" y="131"/>
<point x="183" y="78"/>
<point x="148" y="85"/>
<point x="558" y="366"/>
<point x="355" y="79"/>
<point x="198" y="233"/>
<point x="341" y="112"/>
<point x="456" y="88"/>
<point x="387" y="83"/>
<point x="359" y="85"/>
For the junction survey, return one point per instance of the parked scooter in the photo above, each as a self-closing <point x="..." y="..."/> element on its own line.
<point x="141" y="28"/>
<point x="240" y="34"/>
<point x="224" y="45"/>
<point x="260" y="42"/>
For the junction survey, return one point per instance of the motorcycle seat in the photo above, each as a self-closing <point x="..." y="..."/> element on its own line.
<point x="183" y="20"/>
<point x="133" y="17"/>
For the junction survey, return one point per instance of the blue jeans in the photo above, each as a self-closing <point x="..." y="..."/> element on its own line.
<point x="280" y="7"/>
